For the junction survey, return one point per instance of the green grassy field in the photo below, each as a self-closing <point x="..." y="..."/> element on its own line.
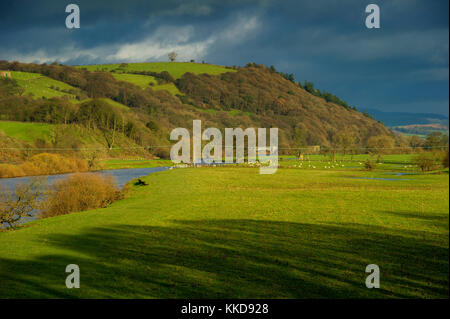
<point x="134" y="163"/>
<point x="41" y="86"/>
<point x="170" y="87"/>
<point x="231" y="232"/>
<point x="144" y="81"/>
<point x="27" y="132"/>
<point x="140" y="80"/>
<point x="176" y="69"/>
<point x="390" y="162"/>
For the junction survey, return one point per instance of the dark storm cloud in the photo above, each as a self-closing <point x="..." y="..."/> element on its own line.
<point x="401" y="67"/>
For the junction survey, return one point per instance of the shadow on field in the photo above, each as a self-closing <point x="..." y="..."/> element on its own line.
<point x="438" y="220"/>
<point x="234" y="259"/>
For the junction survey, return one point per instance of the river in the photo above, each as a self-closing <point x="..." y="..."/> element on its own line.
<point x="122" y="177"/>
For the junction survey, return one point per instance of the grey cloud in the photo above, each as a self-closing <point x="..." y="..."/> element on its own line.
<point x="404" y="62"/>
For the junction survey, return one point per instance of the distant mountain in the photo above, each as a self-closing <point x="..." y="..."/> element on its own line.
<point x="393" y="119"/>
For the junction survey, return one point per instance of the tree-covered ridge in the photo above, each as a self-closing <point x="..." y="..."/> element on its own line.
<point x="251" y="96"/>
<point x="309" y="86"/>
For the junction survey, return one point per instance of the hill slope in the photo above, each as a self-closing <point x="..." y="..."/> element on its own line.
<point x="176" y="69"/>
<point x="39" y="86"/>
<point x="306" y="119"/>
<point x="251" y="96"/>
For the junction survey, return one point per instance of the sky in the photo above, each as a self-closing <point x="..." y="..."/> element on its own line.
<point x="403" y="66"/>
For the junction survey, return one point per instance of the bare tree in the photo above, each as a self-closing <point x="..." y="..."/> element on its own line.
<point x="22" y="202"/>
<point x="345" y="139"/>
<point x="172" y="56"/>
<point x="93" y="160"/>
<point x="380" y="145"/>
<point x="416" y="142"/>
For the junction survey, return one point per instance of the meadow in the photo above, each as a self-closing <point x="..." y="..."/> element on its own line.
<point x="388" y="162"/>
<point x="145" y="81"/>
<point x="229" y="232"/>
<point x="176" y="69"/>
<point x="41" y="86"/>
<point x="134" y="163"/>
<point x="28" y="132"/>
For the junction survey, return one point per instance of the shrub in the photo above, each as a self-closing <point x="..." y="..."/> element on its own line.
<point x="29" y="169"/>
<point x="428" y="161"/>
<point x="8" y="170"/>
<point x="80" y="192"/>
<point x="163" y="153"/>
<point x="152" y="125"/>
<point x="44" y="164"/>
<point x="370" y="165"/>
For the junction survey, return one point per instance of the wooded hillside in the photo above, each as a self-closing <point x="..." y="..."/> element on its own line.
<point x="251" y="96"/>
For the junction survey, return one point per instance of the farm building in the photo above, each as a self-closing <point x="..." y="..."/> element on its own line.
<point x="5" y="74"/>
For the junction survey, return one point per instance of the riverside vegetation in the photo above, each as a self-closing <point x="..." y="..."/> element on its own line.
<point x="77" y="192"/>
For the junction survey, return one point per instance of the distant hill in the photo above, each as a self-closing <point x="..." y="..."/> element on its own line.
<point x="138" y="104"/>
<point x="393" y="119"/>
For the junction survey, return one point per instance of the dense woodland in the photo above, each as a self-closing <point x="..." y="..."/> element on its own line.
<point x="254" y="96"/>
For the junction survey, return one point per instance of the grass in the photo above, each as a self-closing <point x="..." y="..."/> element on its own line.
<point x="390" y="162"/>
<point x="142" y="81"/>
<point x="235" y="112"/>
<point x="134" y="163"/>
<point x="229" y="232"/>
<point x="170" y="87"/>
<point x="176" y="69"/>
<point x="88" y="140"/>
<point x="108" y="100"/>
<point x="27" y="132"/>
<point x="232" y="112"/>
<point x="116" y="104"/>
<point x="41" y="86"/>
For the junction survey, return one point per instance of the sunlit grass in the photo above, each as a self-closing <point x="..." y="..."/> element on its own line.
<point x="134" y="163"/>
<point x="176" y="69"/>
<point x="41" y="86"/>
<point x="28" y="132"/>
<point x="231" y="232"/>
<point x="140" y="80"/>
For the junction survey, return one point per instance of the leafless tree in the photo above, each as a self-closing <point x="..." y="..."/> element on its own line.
<point x="22" y="202"/>
<point x="345" y="140"/>
<point x="380" y="145"/>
